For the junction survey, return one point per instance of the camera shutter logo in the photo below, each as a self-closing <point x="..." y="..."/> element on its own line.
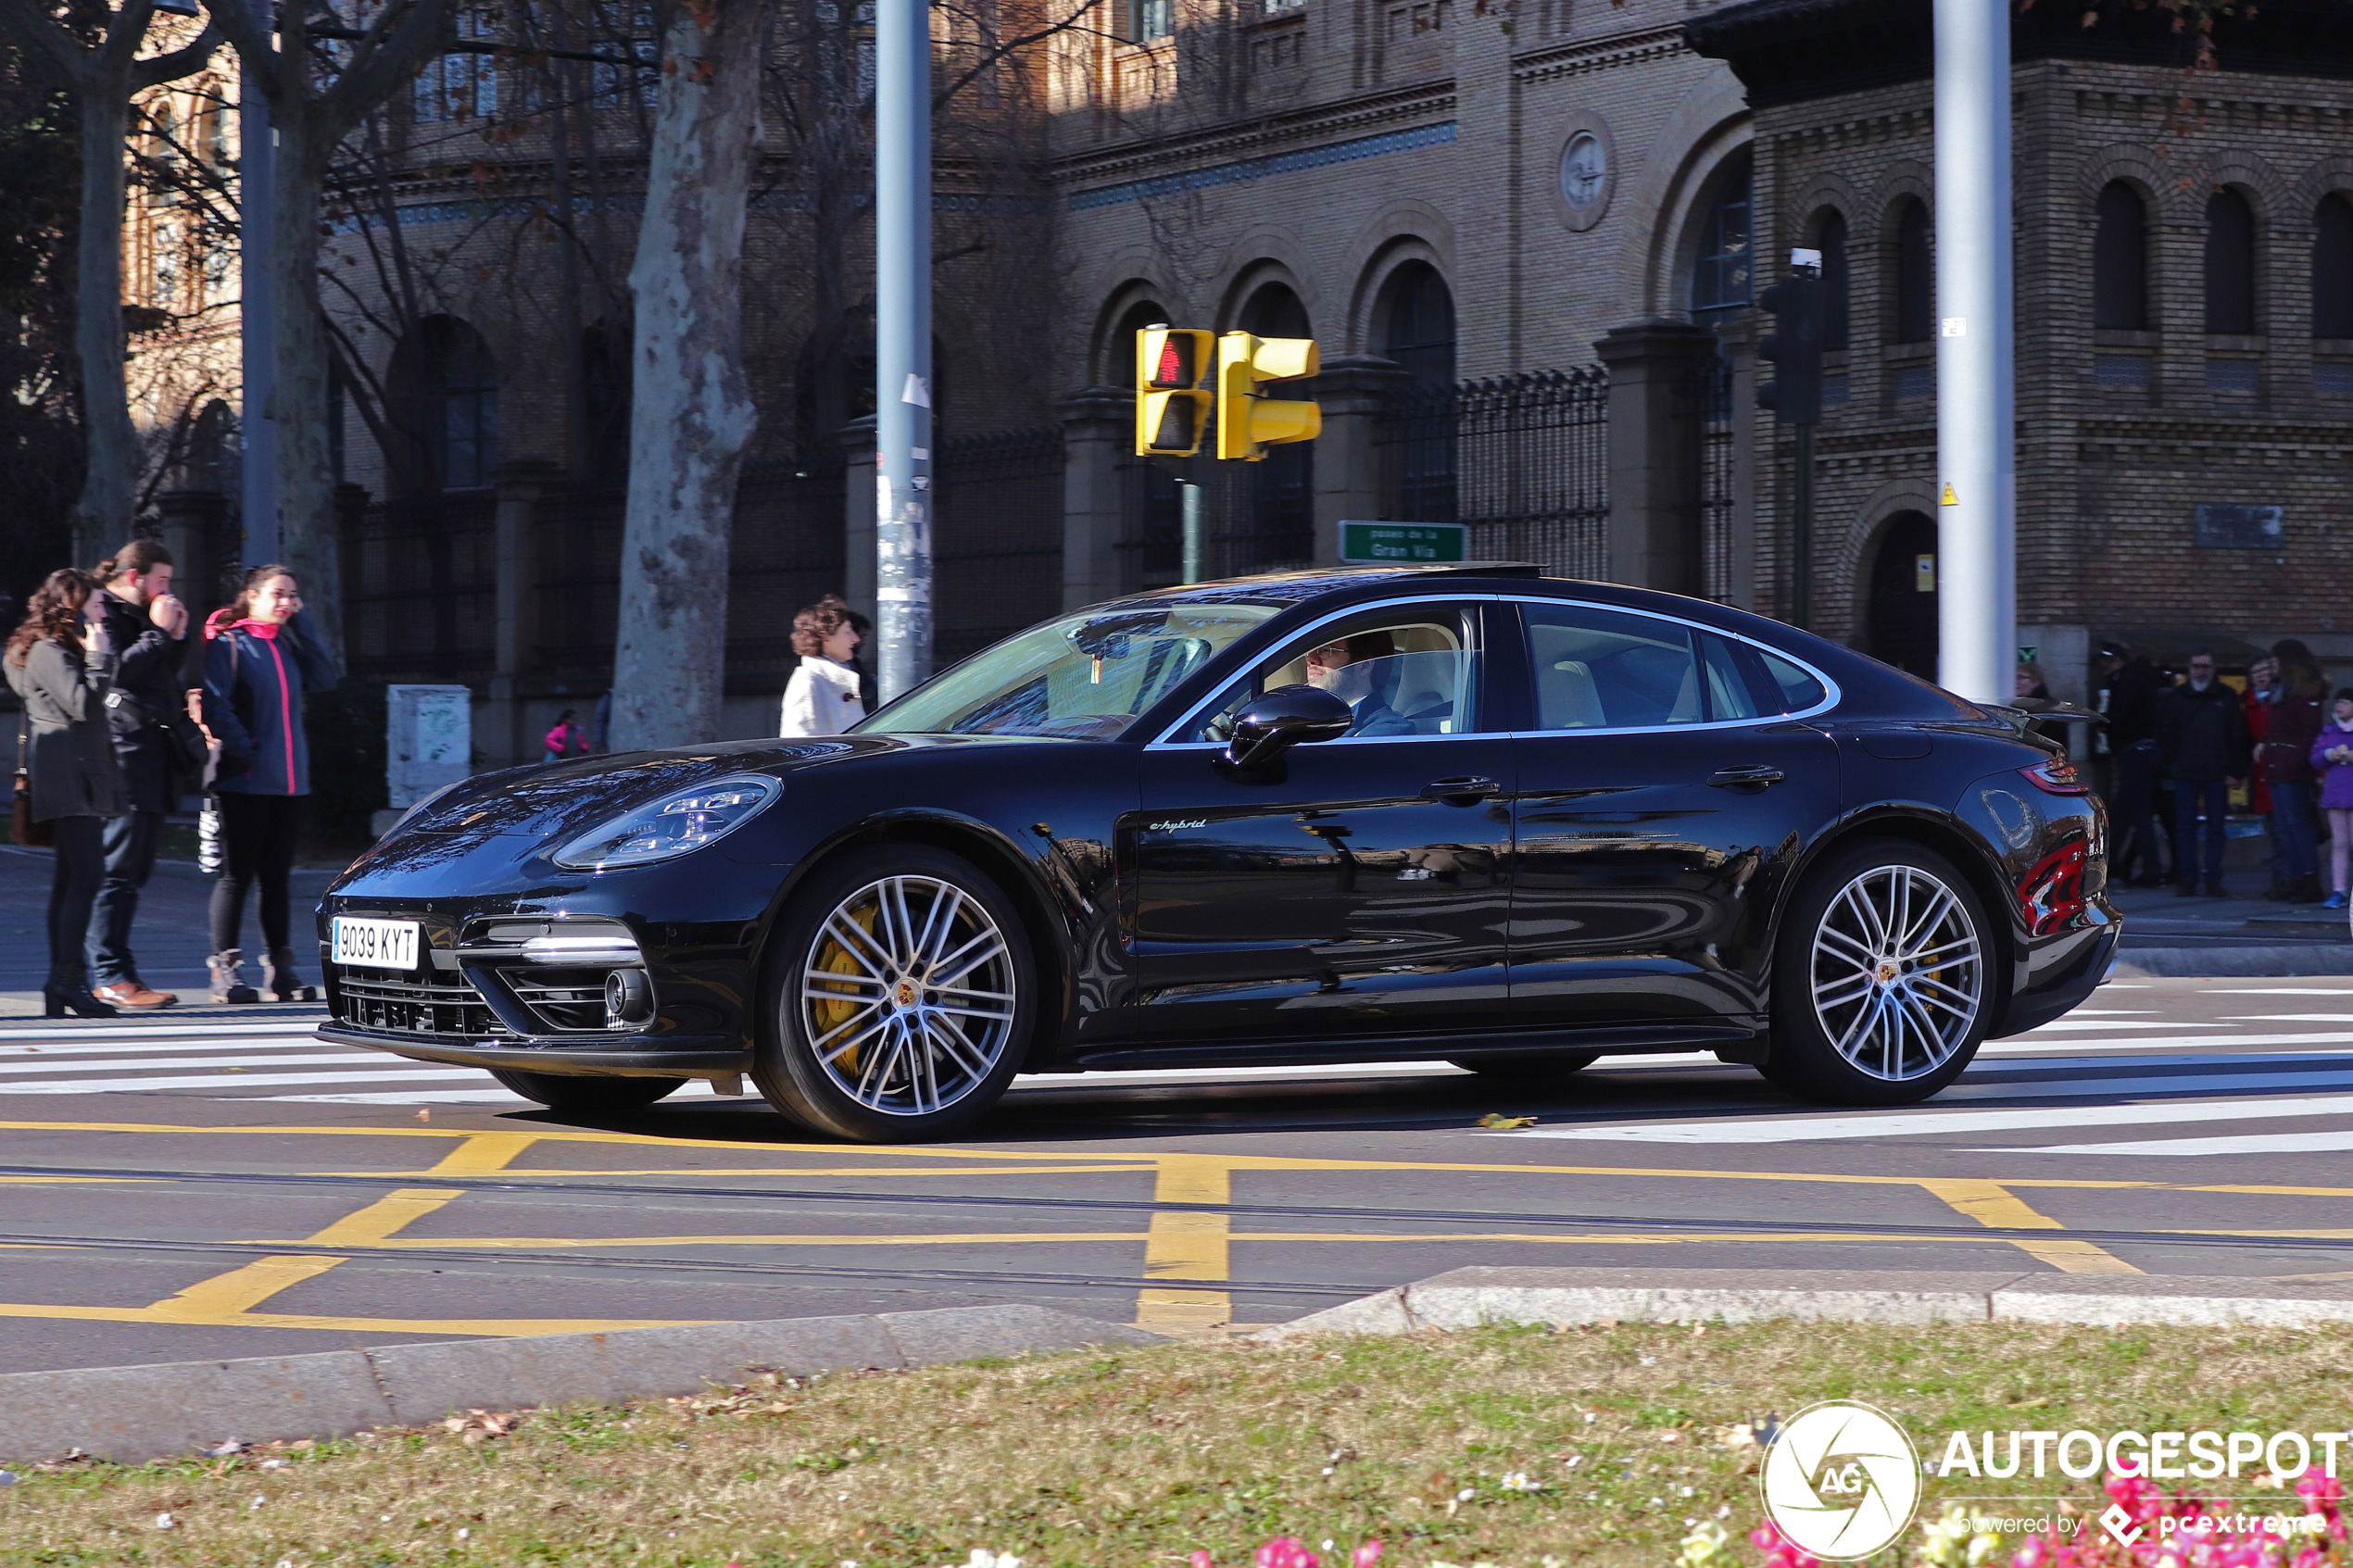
<point x="1840" y="1480"/>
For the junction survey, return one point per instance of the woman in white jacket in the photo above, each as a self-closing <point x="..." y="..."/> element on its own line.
<point x="822" y="696"/>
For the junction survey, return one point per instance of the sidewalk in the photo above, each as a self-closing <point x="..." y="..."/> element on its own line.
<point x="168" y="939"/>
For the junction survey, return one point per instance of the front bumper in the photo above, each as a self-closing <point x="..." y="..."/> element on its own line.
<point x="713" y="1057"/>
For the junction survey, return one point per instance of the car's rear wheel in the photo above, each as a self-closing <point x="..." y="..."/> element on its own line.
<point x="565" y="1091"/>
<point x="1534" y="1071"/>
<point x="1882" y="978"/>
<point x="899" y="997"/>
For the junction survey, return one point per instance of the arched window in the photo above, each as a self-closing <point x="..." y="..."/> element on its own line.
<point x="1119" y="349"/>
<point x="2230" y="264"/>
<point x="1838" y="289"/>
<point x="449" y="392"/>
<point x="2332" y="267"/>
<point x="1418" y="334"/>
<point x="1915" y="316"/>
<point x="1281" y="529"/>
<point x="1417" y="325"/>
<point x="2120" y="261"/>
<point x="1723" y="267"/>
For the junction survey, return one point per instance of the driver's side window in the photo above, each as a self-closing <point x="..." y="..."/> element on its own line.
<point x="1401" y="673"/>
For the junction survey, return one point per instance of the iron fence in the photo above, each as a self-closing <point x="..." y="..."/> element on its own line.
<point x="1522" y="462"/>
<point x="1719" y="476"/>
<point x="996" y="543"/>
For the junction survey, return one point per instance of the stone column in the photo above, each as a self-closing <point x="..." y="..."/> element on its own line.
<point x="193" y="521"/>
<point x="858" y="515"/>
<point x="515" y="603"/>
<point x="1739" y="337"/>
<point x="1654" y="420"/>
<point x="1353" y="392"/>
<point x="1098" y="429"/>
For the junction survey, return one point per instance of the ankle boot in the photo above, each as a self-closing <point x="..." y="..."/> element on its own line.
<point x="228" y="977"/>
<point x="73" y="995"/>
<point x="278" y="979"/>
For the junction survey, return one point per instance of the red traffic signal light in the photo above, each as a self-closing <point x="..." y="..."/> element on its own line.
<point x="1171" y="407"/>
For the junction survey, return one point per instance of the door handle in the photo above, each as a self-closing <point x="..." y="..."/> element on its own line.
<point x="1461" y="791"/>
<point x="1755" y="777"/>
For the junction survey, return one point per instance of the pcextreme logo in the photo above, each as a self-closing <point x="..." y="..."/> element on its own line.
<point x="1840" y="1480"/>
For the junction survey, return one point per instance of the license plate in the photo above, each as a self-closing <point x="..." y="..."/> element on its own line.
<point x="376" y="943"/>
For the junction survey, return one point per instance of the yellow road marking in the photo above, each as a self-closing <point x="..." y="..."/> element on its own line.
<point x="230" y="1295"/>
<point x="494" y="1243"/>
<point x="483" y="1153"/>
<point x="1142" y="1165"/>
<point x="376" y="1222"/>
<point x="1990" y="1203"/>
<point x="1187" y="1246"/>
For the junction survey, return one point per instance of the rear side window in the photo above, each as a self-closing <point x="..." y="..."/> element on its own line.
<point x="1799" y="690"/>
<point x="1600" y="669"/>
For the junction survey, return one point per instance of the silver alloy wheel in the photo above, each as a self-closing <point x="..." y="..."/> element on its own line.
<point x="1898" y="972"/>
<point x="906" y="998"/>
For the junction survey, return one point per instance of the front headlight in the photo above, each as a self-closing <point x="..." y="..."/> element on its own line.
<point x="680" y="821"/>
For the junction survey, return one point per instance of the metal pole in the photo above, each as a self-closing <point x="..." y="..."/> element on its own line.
<point x="902" y="342"/>
<point x="1802" y="533"/>
<point x="1976" y="390"/>
<point x="258" y="337"/>
<point x="1191" y="494"/>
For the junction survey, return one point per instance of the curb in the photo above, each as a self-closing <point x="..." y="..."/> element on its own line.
<point x="133" y="1415"/>
<point x="1473" y="1297"/>
<point x="2220" y="962"/>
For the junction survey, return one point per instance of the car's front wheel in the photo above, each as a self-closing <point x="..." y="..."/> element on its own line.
<point x="1882" y="978"/>
<point x="899" y="997"/>
<point x="588" y="1096"/>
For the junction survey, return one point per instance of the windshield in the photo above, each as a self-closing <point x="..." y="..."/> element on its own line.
<point x="1087" y="677"/>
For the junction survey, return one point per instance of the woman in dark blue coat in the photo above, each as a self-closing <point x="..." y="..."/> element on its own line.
<point x="263" y="656"/>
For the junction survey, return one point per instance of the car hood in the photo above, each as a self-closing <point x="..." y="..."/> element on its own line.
<point x="512" y="813"/>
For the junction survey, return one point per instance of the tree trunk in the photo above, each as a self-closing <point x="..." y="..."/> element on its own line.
<point x="691" y="412"/>
<point x="308" y="537"/>
<point x="102" y="515"/>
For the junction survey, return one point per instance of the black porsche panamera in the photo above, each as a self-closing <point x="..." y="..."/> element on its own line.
<point x="1472" y="812"/>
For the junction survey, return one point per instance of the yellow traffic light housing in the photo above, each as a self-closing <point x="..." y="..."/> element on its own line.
<point x="1247" y="421"/>
<point x="1171" y="407"/>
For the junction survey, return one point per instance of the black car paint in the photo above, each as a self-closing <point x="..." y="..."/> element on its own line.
<point x="1060" y="824"/>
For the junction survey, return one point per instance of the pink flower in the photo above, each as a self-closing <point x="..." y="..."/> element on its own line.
<point x="2035" y="1553"/>
<point x="1203" y="1560"/>
<point x="1366" y="1556"/>
<point x="1285" y="1552"/>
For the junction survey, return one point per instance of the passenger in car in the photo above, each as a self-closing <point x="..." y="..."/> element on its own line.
<point x="1351" y="670"/>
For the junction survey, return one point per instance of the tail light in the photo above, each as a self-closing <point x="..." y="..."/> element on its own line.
<point x="2057" y="775"/>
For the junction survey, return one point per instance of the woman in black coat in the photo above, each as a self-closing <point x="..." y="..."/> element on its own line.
<point x="60" y="664"/>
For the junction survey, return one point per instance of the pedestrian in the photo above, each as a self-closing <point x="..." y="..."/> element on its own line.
<point x="2262" y="684"/>
<point x="566" y="739"/>
<point x="2031" y="682"/>
<point x="2333" y="754"/>
<point x="148" y="627"/>
<point x="60" y="663"/>
<point x="821" y="698"/>
<point x="262" y="657"/>
<point x="2201" y="731"/>
<point x="2128" y="696"/>
<point x="2300" y="689"/>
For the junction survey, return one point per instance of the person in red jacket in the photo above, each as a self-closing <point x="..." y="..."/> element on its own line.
<point x="2262" y="685"/>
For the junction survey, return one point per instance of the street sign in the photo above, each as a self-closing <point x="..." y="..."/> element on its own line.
<point x="1385" y="544"/>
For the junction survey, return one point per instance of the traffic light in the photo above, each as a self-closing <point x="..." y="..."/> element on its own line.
<point x="1171" y="407"/>
<point x="1794" y="394"/>
<point x="1249" y="423"/>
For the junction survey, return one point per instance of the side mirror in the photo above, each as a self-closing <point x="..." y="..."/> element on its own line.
<point x="1285" y="717"/>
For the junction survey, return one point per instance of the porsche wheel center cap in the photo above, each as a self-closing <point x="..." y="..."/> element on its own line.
<point x="1887" y="971"/>
<point x="904" y="993"/>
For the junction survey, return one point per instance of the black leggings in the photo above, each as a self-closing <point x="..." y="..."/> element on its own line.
<point x="257" y="839"/>
<point x="82" y="866"/>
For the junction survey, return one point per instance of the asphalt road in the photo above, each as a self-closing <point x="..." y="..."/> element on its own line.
<point x="216" y="1184"/>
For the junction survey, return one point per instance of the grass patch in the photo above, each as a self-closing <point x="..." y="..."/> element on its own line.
<point x="1137" y="1457"/>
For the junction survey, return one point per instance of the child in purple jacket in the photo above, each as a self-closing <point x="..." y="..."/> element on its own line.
<point x="2333" y="755"/>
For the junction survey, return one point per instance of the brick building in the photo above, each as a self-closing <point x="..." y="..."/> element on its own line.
<point x="1527" y="234"/>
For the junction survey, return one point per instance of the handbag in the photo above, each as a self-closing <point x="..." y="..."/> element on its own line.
<point x="22" y="829"/>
